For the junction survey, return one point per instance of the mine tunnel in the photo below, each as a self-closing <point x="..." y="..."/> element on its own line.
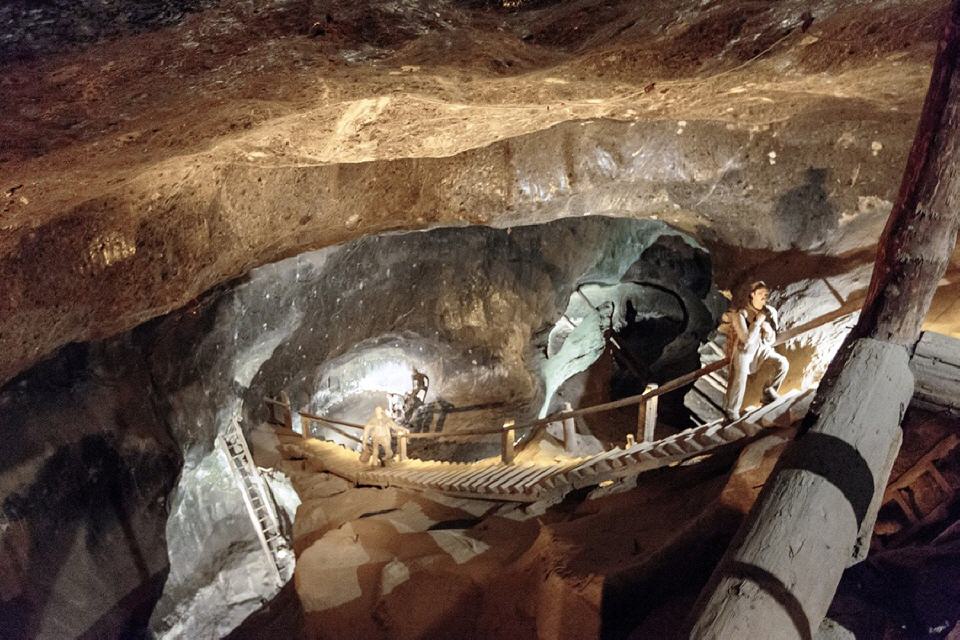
<point x="479" y="319"/>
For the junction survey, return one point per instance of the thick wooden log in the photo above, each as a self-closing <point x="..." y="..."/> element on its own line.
<point x="780" y="574"/>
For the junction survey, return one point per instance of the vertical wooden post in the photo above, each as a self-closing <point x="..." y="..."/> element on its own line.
<point x="288" y="415"/>
<point x="506" y="441"/>
<point x="569" y="430"/>
<point x="631" y="440"/>
<point x="569" y="435"/>
<point x="402" y="445"/>
<point x="647" y="416"/>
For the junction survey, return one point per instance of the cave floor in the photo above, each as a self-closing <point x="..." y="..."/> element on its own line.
<point x="624" y="561"/>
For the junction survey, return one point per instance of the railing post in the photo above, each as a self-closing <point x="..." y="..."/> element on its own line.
<point x="402" y="445"/>
<point x="288" y="415"/>
<point x="299" y="423"/>
<point x="506" y="442"/>
<point x="631" y="440"/>
<point x="569" y="430"/>
<point x="647" y="416"/>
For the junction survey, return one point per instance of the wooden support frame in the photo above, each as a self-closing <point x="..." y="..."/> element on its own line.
<point x="779" y="575"/>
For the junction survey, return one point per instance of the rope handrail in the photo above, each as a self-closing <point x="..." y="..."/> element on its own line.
<point x="674" y="384"/>
<point x="335" y="425"/>
<point x="637" y="399"/>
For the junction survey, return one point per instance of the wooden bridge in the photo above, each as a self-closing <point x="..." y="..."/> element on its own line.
<point x="504" y="479"/>
<point x="936" y="364"/>
<point x="495" y="479"/>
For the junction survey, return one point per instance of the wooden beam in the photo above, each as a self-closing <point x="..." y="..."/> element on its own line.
<point x="921" y="232"/>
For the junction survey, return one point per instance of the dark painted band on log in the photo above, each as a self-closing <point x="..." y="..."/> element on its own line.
<point x="775" y="588"/>
<point x="836" y="462"/>
<point x="804" y="527"/>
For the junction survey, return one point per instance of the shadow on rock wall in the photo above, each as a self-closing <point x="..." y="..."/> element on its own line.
<point x="86" y="467"/>
<point x="804" y="213"/>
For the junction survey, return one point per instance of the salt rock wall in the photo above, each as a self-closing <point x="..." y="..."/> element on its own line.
<point x="128" y="424"/>
<point x="714" y="182"/>
<point x="86" y="467"/>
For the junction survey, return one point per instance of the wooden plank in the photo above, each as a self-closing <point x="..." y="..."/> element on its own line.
<point x="700" y="406"/>
<point x="600" y="456"/>
<point x="503" y="484"/>
<point x="800" y="407"/>
<point x="773" y="417"/>
<point x="689" y="444"/>
<point x="451" y="474"/>
<point x="515" y="470"/>
<point x="911" y="475"/>
<point x="937" y="346"/>
<point x="670" y="448"/>
<point x="433" y="476"/>
<point x="519" y="483"/>
<point x="469" y="476"/>
<point x="937" y="378"/>
<point x="532" y="482"/>
<point x="644" y="456"/>
<point x="756" y="416"/>
<point x="483" y="479"/>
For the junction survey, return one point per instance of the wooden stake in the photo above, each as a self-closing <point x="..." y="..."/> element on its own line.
<point x="507" y="439"/>
<point x="647" y="416"/>
<point x="288" y="410"/>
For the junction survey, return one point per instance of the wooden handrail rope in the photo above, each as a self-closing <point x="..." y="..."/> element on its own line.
<point x="665" y="388"/>
<point x="333" y="424"/>
<point x="342" y="423"/>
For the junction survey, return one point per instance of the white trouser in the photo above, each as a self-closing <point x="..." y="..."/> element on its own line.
<point x="742" y="364"/>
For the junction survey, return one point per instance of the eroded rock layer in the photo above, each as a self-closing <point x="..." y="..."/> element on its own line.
<point x="191" y="141"/>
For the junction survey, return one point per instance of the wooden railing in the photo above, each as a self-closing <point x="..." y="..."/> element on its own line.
<point x="646" y="402"/>
<point x="646" y="418"/>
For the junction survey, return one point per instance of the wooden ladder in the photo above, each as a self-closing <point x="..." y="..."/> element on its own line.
<point x="254" y="492"/>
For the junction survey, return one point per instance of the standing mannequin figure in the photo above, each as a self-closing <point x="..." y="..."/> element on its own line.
<point x="750" y="345"/>
<point x="377" y="434"/>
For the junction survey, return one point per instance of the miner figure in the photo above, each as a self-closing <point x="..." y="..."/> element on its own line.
<point x="750" y="340"/>
<point x="420" y="385"/>
<point x="377" y="434"/>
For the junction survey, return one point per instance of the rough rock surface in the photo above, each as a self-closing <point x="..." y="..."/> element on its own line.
<point x="471" y="306"/>
<point x="177" y="149"/>
<point x="152" y="151"/>
<point x="85" y="472"/>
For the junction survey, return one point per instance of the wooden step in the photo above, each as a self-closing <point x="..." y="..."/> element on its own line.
<point x="700" y="406"/>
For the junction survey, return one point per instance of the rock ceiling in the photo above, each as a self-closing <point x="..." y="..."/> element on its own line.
<point x="147" y="158"/>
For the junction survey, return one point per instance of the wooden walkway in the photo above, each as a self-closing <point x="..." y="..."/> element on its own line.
<point x="492" y="480"/>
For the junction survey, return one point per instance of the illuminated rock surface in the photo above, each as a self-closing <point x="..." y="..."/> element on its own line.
<point x="152" y="154"/>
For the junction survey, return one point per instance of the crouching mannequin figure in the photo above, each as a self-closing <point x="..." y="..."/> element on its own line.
<point x="750" y="345"/>
<point x="377" y="434"/>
